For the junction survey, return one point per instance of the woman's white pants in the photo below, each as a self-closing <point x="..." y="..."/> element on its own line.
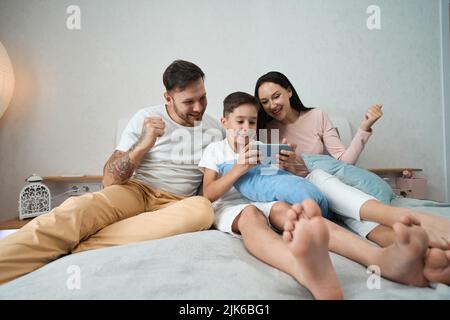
<point x="343" y="200"/>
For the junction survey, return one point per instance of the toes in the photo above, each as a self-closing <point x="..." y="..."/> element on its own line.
<point x="287" y="236"/>
<point x="297" y="208"/>
<point x="444" y="243"/>
<point x="292" y="215"/>
<point x="415" y="220"/>
<point x="408" y="220"/>
<point x="402" y="234"/>
<point x="447" y="243"/>
<point x="405" y="220"/>
<point x="289" y="226"/>
<point x="311" y="208"/>
<point x="436" y="259"/>
<point x="438" y="242"/>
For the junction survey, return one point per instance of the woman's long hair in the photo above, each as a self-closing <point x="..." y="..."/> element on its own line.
<point x="282" y="80"/>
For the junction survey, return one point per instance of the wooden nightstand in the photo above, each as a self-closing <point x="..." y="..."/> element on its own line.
<point x="13" y="223"/>
<point x="79" y="178"/>
<point x="394" y="171"/>
<point x="411" y="187"/>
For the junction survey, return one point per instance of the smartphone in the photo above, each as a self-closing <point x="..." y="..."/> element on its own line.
<point x="269" y="151"/>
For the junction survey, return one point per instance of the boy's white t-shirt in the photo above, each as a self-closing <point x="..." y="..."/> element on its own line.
<point x="215" y="154"/>
<point x="172" y="164"/>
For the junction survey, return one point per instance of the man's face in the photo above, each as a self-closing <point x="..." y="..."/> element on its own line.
<point x="188" y="105"/>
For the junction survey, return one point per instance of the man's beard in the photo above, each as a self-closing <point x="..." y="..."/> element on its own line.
<point x="190" y="119"/>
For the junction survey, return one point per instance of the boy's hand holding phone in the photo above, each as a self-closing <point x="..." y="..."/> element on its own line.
<point x="247" y="159"/>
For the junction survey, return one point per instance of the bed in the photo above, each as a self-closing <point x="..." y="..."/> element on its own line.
<point x="199" y="266"/>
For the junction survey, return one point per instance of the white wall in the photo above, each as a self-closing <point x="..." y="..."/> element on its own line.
<point x="72" y="86"/>
<point x="445" y="36"/>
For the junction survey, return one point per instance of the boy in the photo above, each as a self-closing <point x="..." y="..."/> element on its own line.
<point x="303" y="251"/>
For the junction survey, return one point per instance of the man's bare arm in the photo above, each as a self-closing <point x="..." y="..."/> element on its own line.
<point x="121" y="165"/>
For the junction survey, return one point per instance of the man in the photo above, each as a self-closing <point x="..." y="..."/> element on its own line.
<point x="150" y="184"/>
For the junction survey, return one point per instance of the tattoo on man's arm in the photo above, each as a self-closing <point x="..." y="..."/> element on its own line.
<point x="120" y="166"/>
<point x="123" y="168"/>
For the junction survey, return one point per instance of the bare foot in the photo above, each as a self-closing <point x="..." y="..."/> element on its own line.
<point x="307" y="236"/>
<point x="403" y="261"/>
<point x="437" y="266"/>
<point x="437" y="228"/>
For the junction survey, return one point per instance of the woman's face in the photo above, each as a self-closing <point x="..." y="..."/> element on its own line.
<point x="275" y="100"/>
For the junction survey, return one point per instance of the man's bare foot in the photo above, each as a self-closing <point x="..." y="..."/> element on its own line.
<point x="403" y="261"/>
<point x="437" y="266"/>
<point x="307" y="237"/>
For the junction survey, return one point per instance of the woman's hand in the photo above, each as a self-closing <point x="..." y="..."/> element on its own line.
<point x="372" y="115"/>
<point x="287" y="160"/>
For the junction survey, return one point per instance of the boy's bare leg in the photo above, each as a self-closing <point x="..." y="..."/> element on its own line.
<point x="402" y="261"/>
<point x="437" y="228"/>
<point x="304" y="255"/>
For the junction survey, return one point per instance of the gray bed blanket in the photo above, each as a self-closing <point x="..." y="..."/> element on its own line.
<point x="203" y="265"/>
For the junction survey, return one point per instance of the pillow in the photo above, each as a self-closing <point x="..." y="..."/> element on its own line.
<point x="366" y="181"/>
<point x="264" y="183"/>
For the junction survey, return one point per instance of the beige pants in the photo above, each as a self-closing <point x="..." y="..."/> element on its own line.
<point x="116" y="215"/>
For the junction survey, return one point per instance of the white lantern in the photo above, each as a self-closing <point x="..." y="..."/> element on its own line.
<point x="6" y="80"/>
<point x="34" y="198"/>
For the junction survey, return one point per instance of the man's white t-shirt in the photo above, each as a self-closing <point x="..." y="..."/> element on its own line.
<point x="172" y="164"/>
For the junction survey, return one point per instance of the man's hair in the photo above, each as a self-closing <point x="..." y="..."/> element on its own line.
<point x="236" y="99"/>
<point x="179" y="74"/>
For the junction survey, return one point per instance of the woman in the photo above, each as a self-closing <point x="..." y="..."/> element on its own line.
<point x="311" y="131"/>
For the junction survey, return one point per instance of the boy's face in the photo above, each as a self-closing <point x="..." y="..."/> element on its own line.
<point x="241" y="124"/>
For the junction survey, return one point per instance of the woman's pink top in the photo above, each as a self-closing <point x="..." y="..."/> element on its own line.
<point x="314" y="133"/>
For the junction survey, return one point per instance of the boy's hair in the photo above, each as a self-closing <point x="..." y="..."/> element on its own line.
<point x="179" y="74"/>
<point x="236" y="99"/>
